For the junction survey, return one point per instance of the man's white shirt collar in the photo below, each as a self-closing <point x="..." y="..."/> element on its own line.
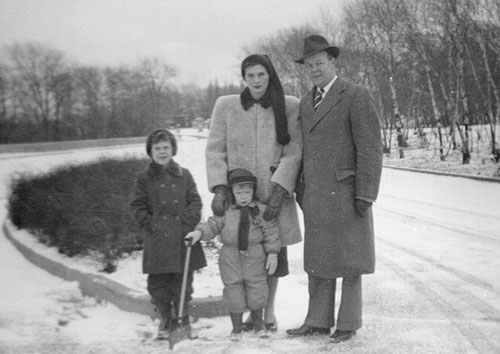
<point x="328" y="87"/>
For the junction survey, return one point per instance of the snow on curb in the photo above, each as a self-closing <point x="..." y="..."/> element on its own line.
<point x="434" y="172"/>
<point x="103" y="288"/>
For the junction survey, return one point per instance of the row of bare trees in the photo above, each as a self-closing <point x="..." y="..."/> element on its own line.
<point x="45" y="96"/>
<point x="428" y="63"/>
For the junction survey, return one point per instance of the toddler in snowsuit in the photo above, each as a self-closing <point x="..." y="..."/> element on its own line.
<point x="166" y="204"/>
<point x="249" y="251"/>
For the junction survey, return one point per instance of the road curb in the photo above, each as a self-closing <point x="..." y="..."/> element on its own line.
<point x="433" y="172"/>
<point x="105" y="289"/>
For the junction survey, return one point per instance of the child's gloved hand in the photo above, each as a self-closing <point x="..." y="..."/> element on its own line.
<point x="192" y="237"/>
<point x="272" y="263"/>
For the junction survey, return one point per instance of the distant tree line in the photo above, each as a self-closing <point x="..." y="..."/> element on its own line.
<point x="45" y="96"/>
<point x="429" y="64"/>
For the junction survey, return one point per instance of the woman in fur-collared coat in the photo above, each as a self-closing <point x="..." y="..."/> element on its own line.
<point x="258" y="130"/>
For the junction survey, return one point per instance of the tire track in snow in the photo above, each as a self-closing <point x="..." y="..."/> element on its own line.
<point x="465" y="277"/>
<point x="398" y="199"/>
<point x="447" y="297"/>
<point x="435" y="222"/>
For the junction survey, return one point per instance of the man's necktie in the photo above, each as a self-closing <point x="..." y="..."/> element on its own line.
<point x="318" y="96"/>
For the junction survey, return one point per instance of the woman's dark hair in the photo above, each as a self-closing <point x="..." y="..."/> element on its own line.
<point x="158" y="135"/>
<point x="275" y="92"/>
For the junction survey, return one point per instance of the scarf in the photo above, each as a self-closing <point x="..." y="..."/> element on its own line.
<point x="274" y="95"/>
<point x="247" y="99"/>
<point x="244" y="225"/>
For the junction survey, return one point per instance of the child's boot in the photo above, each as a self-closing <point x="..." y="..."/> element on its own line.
<point x="185" y="322"/>
<point x="248" y="324"/>
<point x="258" y="323"/>
<point x="236" y="319"/>
<point x="165" y="313"/>
<point x="163" y="330"/>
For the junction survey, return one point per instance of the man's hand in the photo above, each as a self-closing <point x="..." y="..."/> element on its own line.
<point x="220" y="202"/>
<point x="275" y="202"/>
<point x="362" y="206"/>
<point x="272" y="263"/>
<point x="192" y="237"/>
<point x="300" y="187"/>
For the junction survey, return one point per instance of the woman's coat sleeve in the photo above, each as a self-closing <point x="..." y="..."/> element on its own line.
<point x="216" y="150"/>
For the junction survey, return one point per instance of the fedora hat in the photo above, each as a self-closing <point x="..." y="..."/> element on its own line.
<point x="315" y="44"/>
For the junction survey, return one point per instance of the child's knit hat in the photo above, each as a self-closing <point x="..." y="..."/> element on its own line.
<point x="161" y="134"/>
<point x="240" y="175"/>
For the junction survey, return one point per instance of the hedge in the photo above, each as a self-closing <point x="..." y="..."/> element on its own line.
<point x="81" y="209"/>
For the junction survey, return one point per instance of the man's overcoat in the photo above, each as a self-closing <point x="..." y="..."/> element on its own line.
<point x="342" y="160"/>
<point x="247" y="139"/>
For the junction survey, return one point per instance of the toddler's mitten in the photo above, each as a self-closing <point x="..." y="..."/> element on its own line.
<point x="272" y="263"/>
<point x="192" y="237"/>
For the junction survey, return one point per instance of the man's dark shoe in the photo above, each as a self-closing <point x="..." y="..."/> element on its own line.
<point x="341" y="336"/>
<point x="306" y="330"/>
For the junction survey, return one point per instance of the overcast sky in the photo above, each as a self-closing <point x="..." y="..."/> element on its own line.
<point x="202" y="38"/>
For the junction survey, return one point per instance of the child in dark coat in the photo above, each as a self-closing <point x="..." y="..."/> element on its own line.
<point x="249" y="253"/>
<point x="167" y="206"/>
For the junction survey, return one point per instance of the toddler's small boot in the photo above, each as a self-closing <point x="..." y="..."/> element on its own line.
<point x="248" y="324"/>
<point x="236" y="319"/>
<point x="258" y="323"/>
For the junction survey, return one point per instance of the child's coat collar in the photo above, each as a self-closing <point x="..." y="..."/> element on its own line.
<point x="173" y="168"/>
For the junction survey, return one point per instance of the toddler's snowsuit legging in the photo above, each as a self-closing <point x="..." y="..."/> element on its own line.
<point x="244" y="278"/>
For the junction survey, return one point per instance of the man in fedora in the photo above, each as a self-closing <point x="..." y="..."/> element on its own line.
<point x="342" y="164"/>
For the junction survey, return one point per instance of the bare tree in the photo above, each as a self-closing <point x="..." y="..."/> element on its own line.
<point x="121" y="90"/>
<point x="90" y="88"/>
<point x="376" y="29"/>
<point x="63" y="106"/>
<point x="488" y="37"/>
<point x="35" y="70"/>
<point x="3" y="102"/>
<point x="154" y="77"/>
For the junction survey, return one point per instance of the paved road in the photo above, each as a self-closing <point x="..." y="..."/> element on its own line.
<point x="441" y="236"/>
<point x="436" y="289"/>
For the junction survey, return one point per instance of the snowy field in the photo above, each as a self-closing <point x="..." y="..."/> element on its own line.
<point x="436" y="288"/>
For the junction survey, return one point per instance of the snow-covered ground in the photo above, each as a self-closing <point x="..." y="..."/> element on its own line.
<point x="436" y="288"/>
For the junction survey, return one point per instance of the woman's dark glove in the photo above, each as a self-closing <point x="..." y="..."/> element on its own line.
<point x="275" y="202"/>
<point x="362" y="206"/>
<point x="220" y="203"/>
